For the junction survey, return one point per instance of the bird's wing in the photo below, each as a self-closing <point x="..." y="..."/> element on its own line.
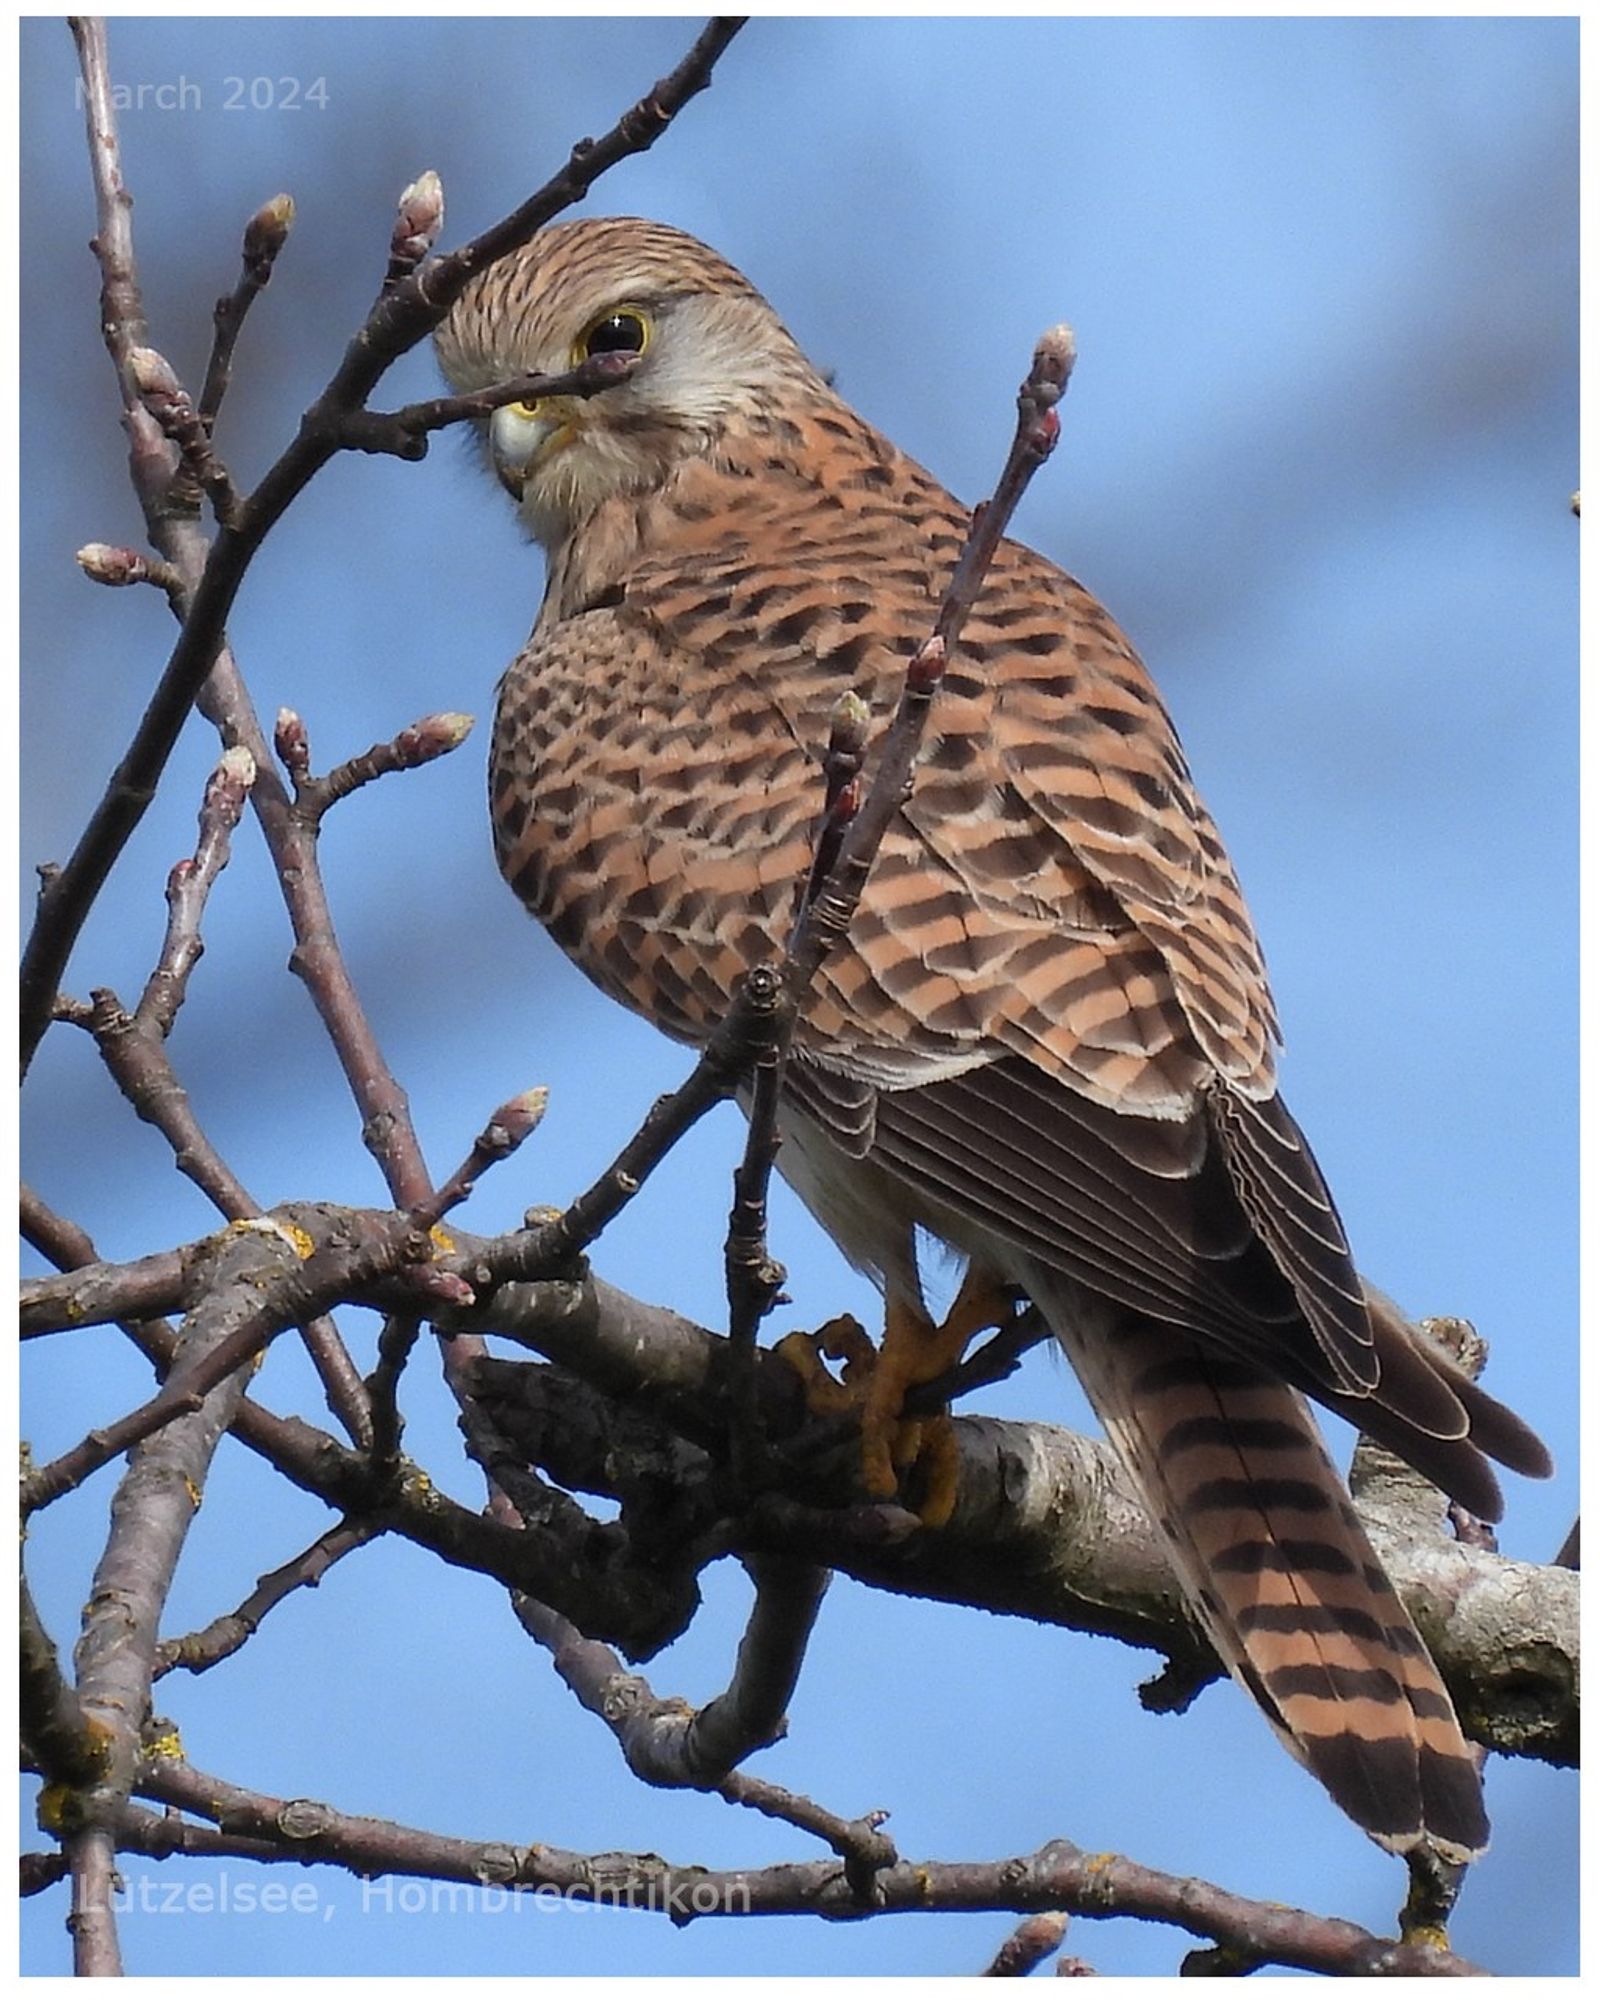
<point x="1141" y="1212"/>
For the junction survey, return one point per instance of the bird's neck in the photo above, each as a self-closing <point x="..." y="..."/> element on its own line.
<point x="706" y="500"/>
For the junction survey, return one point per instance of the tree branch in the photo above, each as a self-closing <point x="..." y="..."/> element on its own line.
<point x="1045" y="1526"/>
<point x="402" y="317"/>
<point x="1057" y="1877"/>
<point x="197" y="1652"/>
<point x="670" y="1744"/>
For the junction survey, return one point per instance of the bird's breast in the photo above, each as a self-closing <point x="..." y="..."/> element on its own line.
<point x="659" y="830"/>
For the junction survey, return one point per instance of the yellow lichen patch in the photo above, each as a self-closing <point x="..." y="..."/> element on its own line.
<point x="195" y="1495"/>
<point x="1096" y="1890"/>
<point x="57" y="1810"/>
<point x="167" y="1744"/>
<point x="443" y="1241"/>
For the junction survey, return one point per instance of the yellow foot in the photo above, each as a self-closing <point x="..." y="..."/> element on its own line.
<point x="842" y="1339"/>
<point x="914" y="1351"/>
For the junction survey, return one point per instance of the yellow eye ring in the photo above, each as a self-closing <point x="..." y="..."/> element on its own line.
<point x="623" y="330"/>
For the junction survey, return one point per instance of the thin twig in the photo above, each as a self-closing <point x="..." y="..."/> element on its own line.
<point x="1057" y="1877"/>
<point x="196" y="1652"/>
<point x="995" y="1361"/>
<point x="200" y="467"/>
<point x="396" y="1343"/>
<point x="419" y="217"/>
<point x="754" y="1278"/>
<point x="117" y="567"/>
<point x="850" y="832"/>
<point x="189" y="885"/>
<point x="419" y="743"/>
<point x="1028" y="1946"/>
<point x="264" y="237"/>
<point x="832" y="907"/>
<point x="138" y="1061"/>
<point x="513" y="1122"/>
<point x="133" y="1047"/>
<point x="402" y="317"/>
<point x="554" y="1243"/>
<point x="403" y="433"/>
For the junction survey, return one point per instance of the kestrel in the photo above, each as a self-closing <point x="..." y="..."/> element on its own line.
<point x="1047" y="1039"/>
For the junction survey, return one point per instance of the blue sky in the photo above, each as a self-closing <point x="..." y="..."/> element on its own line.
<point x="1316" y="458"/>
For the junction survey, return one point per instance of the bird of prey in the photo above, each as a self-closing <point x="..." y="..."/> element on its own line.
<point x="1047" y="1039"/>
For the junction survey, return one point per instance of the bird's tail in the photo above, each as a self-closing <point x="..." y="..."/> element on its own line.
<point x="1280" y="1572"/>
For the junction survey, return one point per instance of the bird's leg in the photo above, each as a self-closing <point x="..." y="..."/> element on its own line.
<point x="915" y="1351"/>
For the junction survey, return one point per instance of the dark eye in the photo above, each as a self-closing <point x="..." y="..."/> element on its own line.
<point x="617" y="333"/>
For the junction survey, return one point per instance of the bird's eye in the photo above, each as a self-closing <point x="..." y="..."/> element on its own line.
<point x="624" y="332"/>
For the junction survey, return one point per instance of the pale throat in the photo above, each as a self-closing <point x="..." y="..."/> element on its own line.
<point x="674" y="505"/>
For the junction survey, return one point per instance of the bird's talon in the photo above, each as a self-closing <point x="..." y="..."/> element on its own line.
<point x="939" y="1460"/>
<point x="875" y="1382"/>
<point x="846" y="1339"/>
<point x="825" y="1395"/>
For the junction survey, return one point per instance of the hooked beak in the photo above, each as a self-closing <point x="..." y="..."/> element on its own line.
<point x="522" y="436"/>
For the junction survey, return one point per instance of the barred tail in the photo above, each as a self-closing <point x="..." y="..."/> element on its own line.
<point x="1282" y="1576"/>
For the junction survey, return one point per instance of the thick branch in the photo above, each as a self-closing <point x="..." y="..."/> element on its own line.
<point x="150" y="1517"/>
<point x="1045" y="1527"/>
<point x="54" y="1729"/>
<point x="261" y="1286"/>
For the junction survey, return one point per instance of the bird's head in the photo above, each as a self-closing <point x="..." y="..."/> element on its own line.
<point x="711" y="351"/>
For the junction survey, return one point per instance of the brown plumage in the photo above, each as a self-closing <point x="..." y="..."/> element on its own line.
<point x="1047" y="1038"/>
